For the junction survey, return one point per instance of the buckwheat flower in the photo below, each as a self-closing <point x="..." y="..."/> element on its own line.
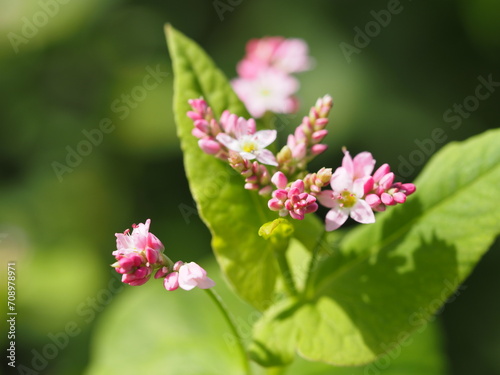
<point x="288" y="55"/>
<point x="187" y="276"/>
<point x="291" y="199"/>
<point x="250" y="145"/>
<point x="138" y="254"/>
<point x="192" y="275"/>
<point x="270" y="90"/>
<point x="345" y="199"/>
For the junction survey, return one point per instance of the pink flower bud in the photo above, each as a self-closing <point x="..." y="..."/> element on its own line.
<point x="209" y="146"/>
<point x="317" y="136"/>
<point x="318" y="149"/>
<point x="171" y="281"/>
<point x="399" y="197"/>
<point x="373" y="200"/>
<point x="299" y="151"/>
<point x="161" y="272"/>
<point x="321" y="122"/>
<point x="381" y="172"/>
<point x="198" y="133"/>
<point x="408" y="188"/>
<point x="266" y="190"/>
<point x="194" y="115"/>
<point x="280" y="180"/>
<point x="387" y="199"/>
<point x="386" y="181"/>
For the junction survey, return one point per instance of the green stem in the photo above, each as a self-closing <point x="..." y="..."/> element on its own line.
<point x="232" y="325"/>
<point x="314" y="260"/>
<point x="286" y="273"/>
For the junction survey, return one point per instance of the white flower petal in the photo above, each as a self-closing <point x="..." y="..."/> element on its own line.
<point x="228" y="141"/>
<point x="266" y="157"/>
<point x="362" y="212"/>
<point x="335" y="218"/>
<point x="264" y="138"/>
<point x="341" y="180"/>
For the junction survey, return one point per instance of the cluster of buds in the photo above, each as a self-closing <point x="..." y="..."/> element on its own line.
<point x="383" y="191"/>
<point x="264" y="82"/>
<point x="140" y="253"/>
<point x="314" y="182"/>
<point x="305" y="144"/>
<point x="206" y="128"/>
<point x="291" y="199"/>
<point x="256" y="175"/>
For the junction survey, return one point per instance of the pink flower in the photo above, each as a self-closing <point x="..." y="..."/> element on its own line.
<point x="291" y="200"/>
<point x="171" y="281"/>
<point x="192" y="275"/>
<point x="140" y="240"/>
<point x="361" y="166"/>
<point x="287" y="55"/>
<point x="270" y="90"/>
<point x="187" y="276"/>
<point x="248" y="143"/>
<point x="345" y="199"/>
<point x="138" y="253"/>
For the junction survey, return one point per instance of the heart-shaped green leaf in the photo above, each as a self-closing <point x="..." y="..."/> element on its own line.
<point x="389" y="278"/>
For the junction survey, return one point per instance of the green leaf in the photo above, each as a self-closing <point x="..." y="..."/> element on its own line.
<point x="389" y="278"/>
<point x="233" y="214"/>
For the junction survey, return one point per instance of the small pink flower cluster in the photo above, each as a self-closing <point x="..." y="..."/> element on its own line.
<point x="140" y="253"/>
<point x="356" y="193"/>
<point x="264" y="82"/>
<point x="230" y="133"/>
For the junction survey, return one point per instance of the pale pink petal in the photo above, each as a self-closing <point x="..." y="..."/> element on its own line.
<point x="206" y="283"/>
<point x="191" y="275"/>
<point x="363" y="164"/>
<point x="264" y="138"/>
<point x="347" y="163"/>
<point x="266" y="157"/>
<point x="335" y="218"/>
<point x="228" y="141"/>
<point x="248" y="155"/>
<point x="358" y="187"/>
<point x="326" y="198"/>
<point x="241" y="128"/>
<point x="341" y="180"/>
<point x="362" y="212"/>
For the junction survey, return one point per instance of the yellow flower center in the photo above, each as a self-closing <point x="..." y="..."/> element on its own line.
<point x="347" y="199"/>
<point x="249" y="146"/>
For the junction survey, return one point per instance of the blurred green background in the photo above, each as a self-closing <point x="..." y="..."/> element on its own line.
<point x="68" y="66"/>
